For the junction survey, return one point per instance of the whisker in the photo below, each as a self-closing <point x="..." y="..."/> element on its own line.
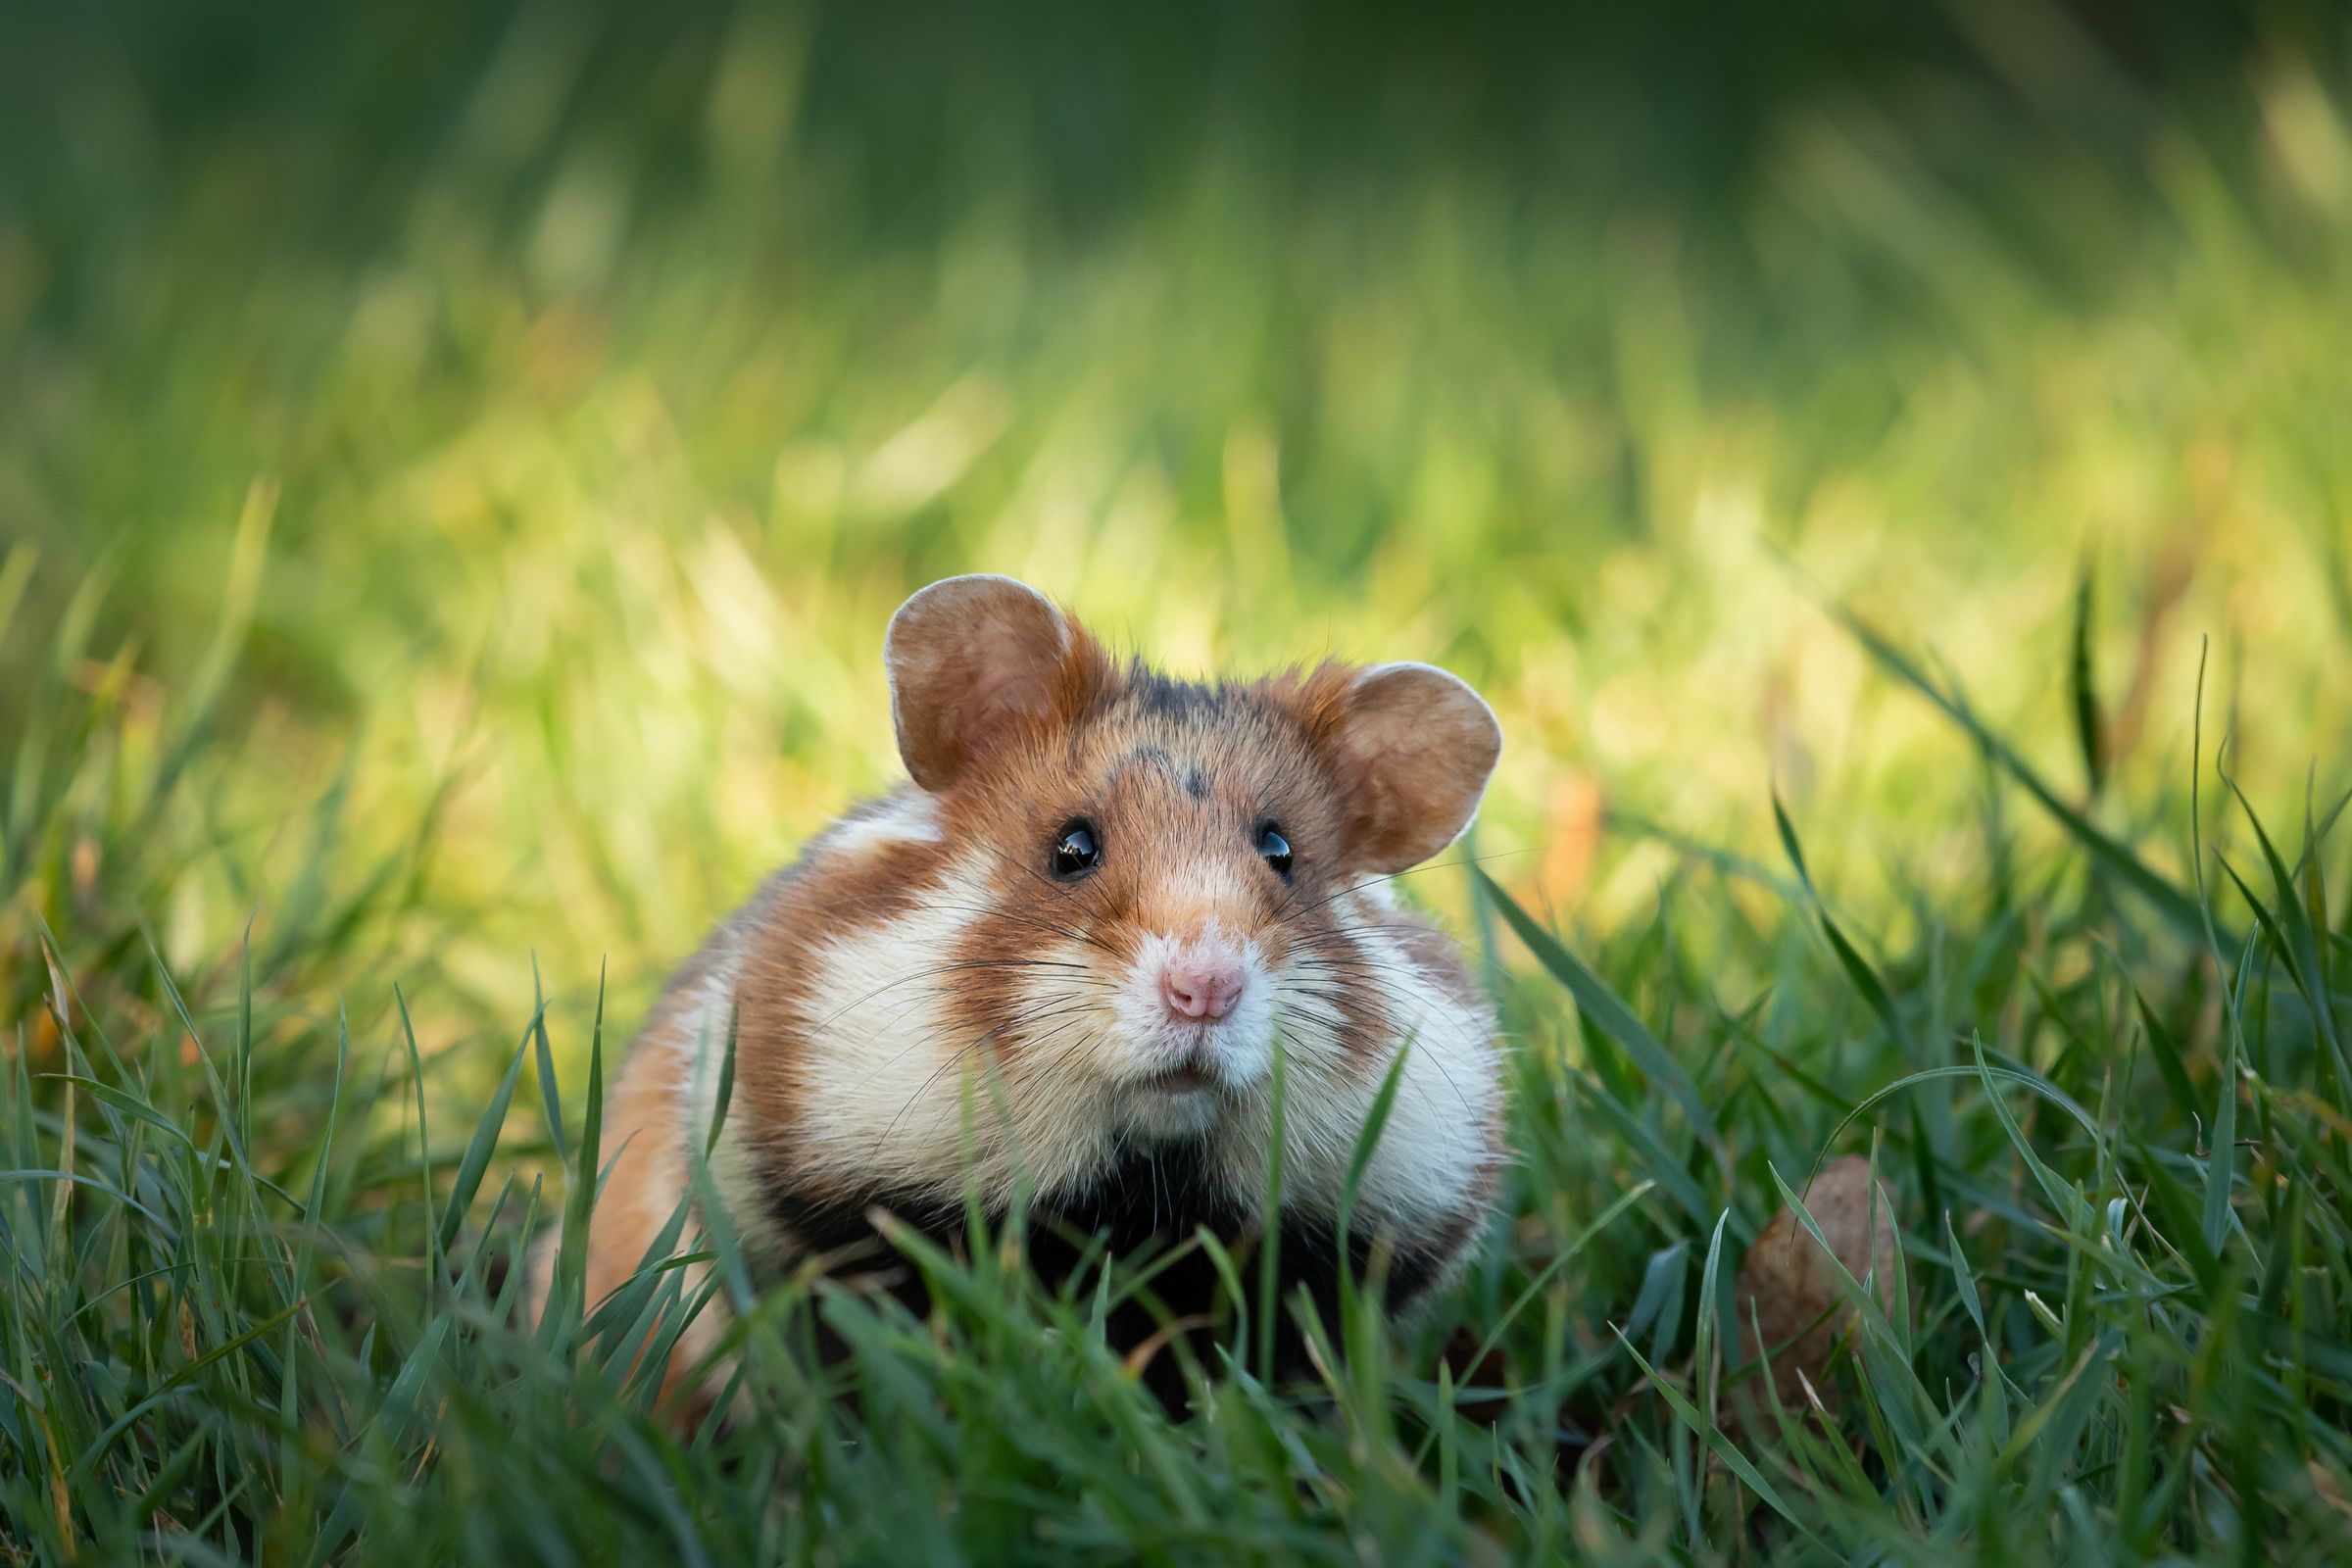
<point x="932" y="1039"/>
<point x="1074" y="1010"/>
<point x="1392" y="876"/>
<point x="931" y="971"/>
<point x="924" y="1087"/>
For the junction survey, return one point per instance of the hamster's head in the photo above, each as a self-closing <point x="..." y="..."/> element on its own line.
<point x="1163" y="872"/>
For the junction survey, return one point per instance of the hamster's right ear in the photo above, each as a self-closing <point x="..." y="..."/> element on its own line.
<point x="975" y="661"/>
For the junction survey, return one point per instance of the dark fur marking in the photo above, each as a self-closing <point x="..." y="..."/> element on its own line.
<point x="1150" y="756"/>
<point x="1194" y="780"/>
<point x="1165" y="697"/>
<point x="1152" y="1200"/>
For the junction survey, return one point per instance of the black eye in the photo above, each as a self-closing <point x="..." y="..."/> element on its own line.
<point x="1075" y="852"/>
<point x="1274" y="848"/>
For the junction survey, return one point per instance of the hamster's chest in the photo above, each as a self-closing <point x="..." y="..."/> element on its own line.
<point x="1147" y="1195"/>
<point x="1149" y="1202"/>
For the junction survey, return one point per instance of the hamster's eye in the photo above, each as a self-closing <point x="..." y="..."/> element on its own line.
<point x="1274" y="848"/>
<point x="1075" y="849"/>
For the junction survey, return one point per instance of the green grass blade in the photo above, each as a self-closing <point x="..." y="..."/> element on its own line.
<point x="551" y="1098"/>
<point x="2171" y="901"/>
<point x="2083" y="687"/>
<point x="478" y="1148"/>
<point x="1719" y="1445"/>
<point x="1606" y="1009"/>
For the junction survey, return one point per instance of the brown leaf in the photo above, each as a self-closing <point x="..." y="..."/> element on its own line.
<point x="1787" y="1282"/>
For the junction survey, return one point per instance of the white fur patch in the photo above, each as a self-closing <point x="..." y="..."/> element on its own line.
<point x="698" y="1039"/>
<point x="1435" y="1149"/>
<point x="891" y="1074"/>
<point x="910" y="817"/>
<point x="1436" y="1142"/>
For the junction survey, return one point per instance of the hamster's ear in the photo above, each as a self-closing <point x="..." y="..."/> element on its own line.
<point x="1413" y="748"/>
<point x="974" y="661"/>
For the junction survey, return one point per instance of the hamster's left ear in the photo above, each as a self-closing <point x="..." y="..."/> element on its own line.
<point x="1413" y="748"/>
<point x="976" y="662"/>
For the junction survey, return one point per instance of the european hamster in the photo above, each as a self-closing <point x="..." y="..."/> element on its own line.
<point x="1062" y="953"/>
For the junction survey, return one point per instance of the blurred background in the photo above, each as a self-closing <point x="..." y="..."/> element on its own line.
<point x="472" y="448"/>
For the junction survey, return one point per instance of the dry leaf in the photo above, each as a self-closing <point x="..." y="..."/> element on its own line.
<point x="1787" y="1282"/>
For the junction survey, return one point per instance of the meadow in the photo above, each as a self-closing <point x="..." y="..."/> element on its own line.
<point x="1895" y="488"/>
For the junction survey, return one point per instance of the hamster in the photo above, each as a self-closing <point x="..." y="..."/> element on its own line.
<point x="1061" y="956"/>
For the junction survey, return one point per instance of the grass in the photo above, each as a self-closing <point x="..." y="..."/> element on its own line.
<point x="455" y="468"/>
<point x="252" y="1316"/>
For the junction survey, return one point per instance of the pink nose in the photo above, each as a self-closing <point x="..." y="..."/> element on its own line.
<point x="1200" y="985"/>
